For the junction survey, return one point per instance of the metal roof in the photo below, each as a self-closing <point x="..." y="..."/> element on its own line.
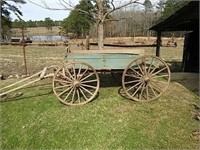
<point x="184" y="19"/>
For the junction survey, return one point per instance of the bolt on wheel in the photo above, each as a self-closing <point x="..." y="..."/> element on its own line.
<point x="146" y="78"/>
<point x="76" y="83"/>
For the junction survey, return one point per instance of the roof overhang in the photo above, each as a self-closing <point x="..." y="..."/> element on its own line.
<point x="184" y="19"/>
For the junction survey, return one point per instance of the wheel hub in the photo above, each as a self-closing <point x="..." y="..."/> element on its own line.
<point x="146" y="79"/>
<point x="76" y="83"/>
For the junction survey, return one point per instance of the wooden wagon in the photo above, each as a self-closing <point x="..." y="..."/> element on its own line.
<point x="144" y="78"/>
<point x="76" y="82"/>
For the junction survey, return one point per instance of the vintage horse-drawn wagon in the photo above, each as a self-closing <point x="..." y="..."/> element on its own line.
<point x="76" y="81"/>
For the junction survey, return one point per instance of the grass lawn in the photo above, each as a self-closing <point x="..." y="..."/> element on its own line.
<point x="37" y="120"/>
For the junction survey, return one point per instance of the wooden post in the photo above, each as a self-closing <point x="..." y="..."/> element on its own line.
<point x="87" y="44"/>
<point x="24" y="52"/>
<point x="159" y="42"/>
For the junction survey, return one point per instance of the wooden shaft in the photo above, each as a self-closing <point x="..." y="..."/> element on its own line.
<point x="21" y="80"/>
<point x="9" y="91"/>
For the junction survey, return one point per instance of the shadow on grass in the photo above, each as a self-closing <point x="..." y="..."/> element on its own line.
<point x="17" y="98"/>
<point x="106" y="80"/>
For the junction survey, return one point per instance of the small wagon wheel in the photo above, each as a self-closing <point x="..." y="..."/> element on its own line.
<point x="146" y="78"/>
<point x="76" y="83"/>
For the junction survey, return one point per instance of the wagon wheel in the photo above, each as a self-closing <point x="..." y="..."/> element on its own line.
<point x="76" y="83"/>
<point x="146" y="78"/>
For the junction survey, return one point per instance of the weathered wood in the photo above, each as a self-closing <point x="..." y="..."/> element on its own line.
<point x="110" y="51"/>
<point x="103" y="61"/>
<point x="12" y="87"/>
<point x="123" y="45"/>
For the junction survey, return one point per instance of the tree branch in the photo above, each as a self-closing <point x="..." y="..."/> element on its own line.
<point x="45" y="6"/>
<point x="121" y="6"/>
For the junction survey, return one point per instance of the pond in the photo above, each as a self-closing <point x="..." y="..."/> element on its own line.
<point x="48" y="38"/>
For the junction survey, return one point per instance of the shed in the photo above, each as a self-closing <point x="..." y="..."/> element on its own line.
<point x="184" y="19"/>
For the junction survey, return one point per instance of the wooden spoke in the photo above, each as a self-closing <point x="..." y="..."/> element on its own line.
<point x="65" y="77"/>
<point x="86" y="90"/>
<point x="73" y="95"/>
<point x="84" y="72"/>
<point x="137" y="89"/>
<point x="150" y="65"/>
<point x="145" y="65"/>
<point x="153" y="90"/>
<point x="134" y="81"/>
<point x="68" y="94"/>
<point x="153" y="70"/>
<point x="147" y="92"/>
<point x="159" y="71"/>
<point x="150" y="82"/>
<point x="79" y="71"/>
<point x="87" y="77"/>
<point x="131" y="75"/>
<point x="65" y="91"/>
<point x="89" y="81"/>
<point x="63" y="72"/>
<point x="140" y="97"/>
<point x="78" y="96"/>
<point x="71" y="76"/>
<point x="63" y="81"/>
<point x="74" y="72"/>
<point x="133" y="86"/>
<point x="83" y="94"/>
<point x="140" y="68"/>
<point x="89" y="86"/>
<point x="72" y="84"/>
<point x="136" y="72"/>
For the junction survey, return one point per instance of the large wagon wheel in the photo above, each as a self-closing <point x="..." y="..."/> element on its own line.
<point x="76" y="83"/>
<point x="146" y="78"/>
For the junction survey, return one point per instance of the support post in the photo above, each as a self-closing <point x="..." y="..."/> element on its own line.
<point x="87" y="43"/>
<point x="24" y="52"/>
<point x="159" y="42"/>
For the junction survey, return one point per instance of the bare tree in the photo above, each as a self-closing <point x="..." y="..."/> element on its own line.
<point x="100" y="16"/>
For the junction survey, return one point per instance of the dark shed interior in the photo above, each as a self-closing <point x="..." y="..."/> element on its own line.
<point x="184" y="19"/>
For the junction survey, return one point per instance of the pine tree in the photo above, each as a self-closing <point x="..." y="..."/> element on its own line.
<point x="6" y="9"/>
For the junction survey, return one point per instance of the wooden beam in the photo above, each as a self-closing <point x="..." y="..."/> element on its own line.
<point x="159" y="42"/>
<point x="110" y="51"/>
<point x="123" y="45"/>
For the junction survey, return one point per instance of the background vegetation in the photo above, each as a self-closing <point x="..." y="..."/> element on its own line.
<point x="131" y="21"/>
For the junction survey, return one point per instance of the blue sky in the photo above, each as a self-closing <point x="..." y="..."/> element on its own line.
<point x="33" y="12"/>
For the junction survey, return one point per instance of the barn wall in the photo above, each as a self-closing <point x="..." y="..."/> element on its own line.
<point x="191" y="52"/>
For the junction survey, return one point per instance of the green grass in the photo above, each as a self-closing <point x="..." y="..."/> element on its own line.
<point x="37" y="120"/>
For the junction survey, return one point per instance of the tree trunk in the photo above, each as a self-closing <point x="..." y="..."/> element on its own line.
<point x="100" y="36"/>
<point x="100" y="24"/>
